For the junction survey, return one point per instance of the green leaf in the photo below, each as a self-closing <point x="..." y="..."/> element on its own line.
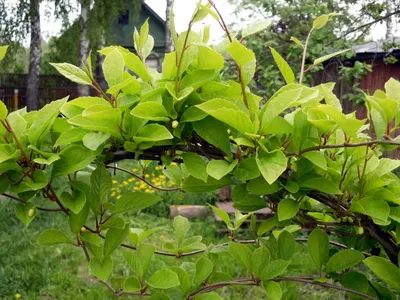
<point x="76" y="203"/>
<point x="283" y="66"/>
<point x="373" y="207"/>
<point x="101" y="184"/>
<point x="267" y="225"/>
<point x="181" y="226"/>
<point x="114" y="239"/>
<point x="101" y="269"/>
<point x="274" y="269"/>
<point x="135" y="201"/>
<point x="44" y="119"/>
<point x="195" y="165"/>
<point x="386" y="165"/>
<point x="174" y="173"/>
<point x="92" y="238"/>
<point x="73" y="73"/>
<point x="259" y="260"/>
<point x="204" y="268"/>
<point x="321" y="184"/>
<point x="278" y="103"/>
<point x="318" y="247"/>
<point x="229" y="113"/>
<point x="78" y="105"/>
<point x="93" y="140"/>
<point x="132" y="284"/>
<point x="222" y="214"/>
<point x="245" y="58"/>
<point x="145" y="254"/>
<point x="271" y="164"/>
<point x="163" y="279"/>
<point x="287" y="209"/>
<point x="241" y="253"/>
<point x="273" y="290"/>
<point x="322" y="20"/>
<point x="219" y="168"/>
<point x="3" y="51"/>
<point x="53" y="237"/>
<point x="209" y="59"/>
<point x="213" y="131"/>
<point x="153" y="133"/>
<point x="169" y="66"/>
<point x="355" y="281"/>
<point x="99" y="118"/>
<point x="113" y="68"/>
<point x="3" y="110"/>
<point x="247" y="169"/>
<point x="344" y="259"/>
<point x="194" y="185"/>
<point x="260" y="187"/>
<point x="329" y="56"/>
<point x="286" y="245"/>
<point x="395" y="213"/>
<point x="25" y="212"/>
<point x="317" y="158"/>
<point x="150" y="110"/>
<point x="385" y="270"/>
<point x="256" y="27"/>
<point x="72" y="135"/>
<point x="301" y="130"/>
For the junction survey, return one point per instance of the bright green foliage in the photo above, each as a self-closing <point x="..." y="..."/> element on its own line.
<point x="298" y="155"/>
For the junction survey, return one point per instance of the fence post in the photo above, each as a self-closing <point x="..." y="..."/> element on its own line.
<point x="16" y="99"/>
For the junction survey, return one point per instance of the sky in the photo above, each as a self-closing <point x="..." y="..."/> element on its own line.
<point x="183" y="11"/>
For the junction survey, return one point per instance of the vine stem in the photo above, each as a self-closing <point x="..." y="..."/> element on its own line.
<point x="144" y="180"/>
<point x="303" y="62"/>
<point x="249" y="282"/>
<point x="344" y="145"/>
<point x="24" y="202"/>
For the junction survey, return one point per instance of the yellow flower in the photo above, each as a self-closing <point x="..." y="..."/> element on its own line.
<point x="125" y="183"/>
<point x="162" y="176"/>
<point x="113" y="194"/>
<point x="17" y="296"/>
<point x="134" y="170"/>
<point x="115" y="182"/>
<point x="146" y="176"/>
<point x="131" y="179"/>
<point x="83" y="229"/>
<point x="147" y="190"/>
<point x="118" y="197"/>
<point x="136" y="188"/>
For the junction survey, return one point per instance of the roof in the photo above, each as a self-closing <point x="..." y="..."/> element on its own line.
<point x="377" y="46"/>
<point x="152" y="12"/>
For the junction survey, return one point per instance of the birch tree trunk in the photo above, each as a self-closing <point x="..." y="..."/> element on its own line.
<point x="32" y="101"/>
<point x="169" y="47"/>
<point x="84" y="90"/>
<point x="389" y="21"/>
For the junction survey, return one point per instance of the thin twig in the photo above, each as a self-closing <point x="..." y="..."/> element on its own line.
<point x="143" y="179"/>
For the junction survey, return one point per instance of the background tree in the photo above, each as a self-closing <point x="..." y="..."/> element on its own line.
<point x="169" y="46"/>
<point x="293" y="18"/>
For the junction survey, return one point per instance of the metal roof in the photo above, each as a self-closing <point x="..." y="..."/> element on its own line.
<point x="376" y="46"/>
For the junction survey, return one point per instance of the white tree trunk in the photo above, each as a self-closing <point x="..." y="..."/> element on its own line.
<point x="169" y="47"/>
<point x="84" y="90"/>
<point x="389" y="21"/>
<point x="32" y="101"/>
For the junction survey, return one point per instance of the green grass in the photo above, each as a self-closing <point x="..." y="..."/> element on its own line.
<point x="61" y="272"/>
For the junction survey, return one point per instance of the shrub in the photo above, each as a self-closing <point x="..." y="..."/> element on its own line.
<point x="299" y="154"/>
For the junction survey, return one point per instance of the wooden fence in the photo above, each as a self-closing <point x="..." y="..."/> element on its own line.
<point x="51" y="87"/>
